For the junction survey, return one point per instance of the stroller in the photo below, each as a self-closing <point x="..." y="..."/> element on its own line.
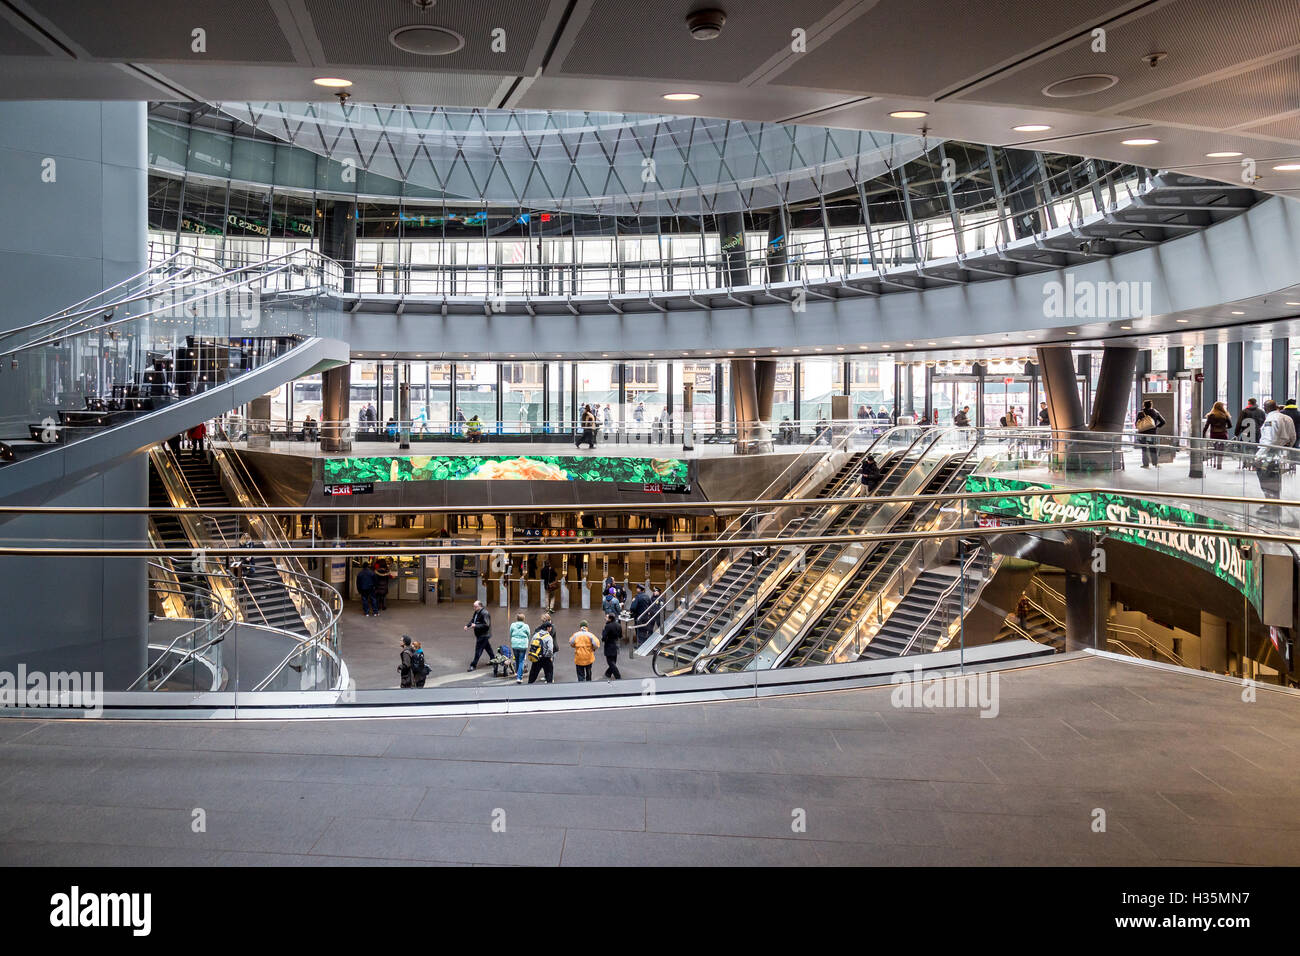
<point x="503" y="664"/>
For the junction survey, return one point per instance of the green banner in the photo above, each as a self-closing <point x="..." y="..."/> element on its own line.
<point x="505" y="468"/>
<point x="1167" y="528"/>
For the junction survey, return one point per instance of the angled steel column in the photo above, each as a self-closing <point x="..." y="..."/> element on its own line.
<point x="336" y="435"/>
<point x="1064" y="409"/>
<point x="731" y="243"/>
<point x="1110" y="406"/>
<point x="777" y="240"/>
<point x="765" y="385"/>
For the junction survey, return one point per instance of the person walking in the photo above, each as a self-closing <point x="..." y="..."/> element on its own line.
<point x="611" y="604"/>
<point x="1249" y="422"/>
<point x="1148" y="422"/>
<point x="1217" y="423"/>
<point x="541" y="652"/>
<point x="366" y="588"/>
<point x="641" y="616"/>
<point x="405" y="663"/>
<point x="638" y="416"/>
<point x="1044" y="416"/>
<point x="609" y="639"/>
<point x="1290" y="411"/>
<point x="608" y="415"/>
<point x="656" y="609"/>
<point x="962" y="418"/>
<point x="419" y="666"/>
<point x="520" y="636"/>
<point x="1277" y="435"/>
<point x="584" y="644"/>
<point x="382" y="577"/>
<point x="198" y="436"/>
<point x="480" y="623"/>
<point x="550" y="585"/>
<point x="588" y="434"/>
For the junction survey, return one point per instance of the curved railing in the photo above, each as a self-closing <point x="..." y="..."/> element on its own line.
<point x="213" y="621"/>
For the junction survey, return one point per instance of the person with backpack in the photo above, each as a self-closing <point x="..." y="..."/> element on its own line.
<point x="611" y="605"/>
<point x="419" y="666"/>
<point x="869" y="474"/>
<point x="609" y="639"/>
<point x="520" y="635"/>
<point x="1148" y="422"/>
<point x="405" y="665"/>
<point x="481" y="623"/>
<point x="584" y="644"/>
<point x="541" y="652"/>
<point x="1249" y="422"/>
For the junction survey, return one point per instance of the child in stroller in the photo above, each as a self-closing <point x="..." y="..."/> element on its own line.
<point x="503" y="664"/>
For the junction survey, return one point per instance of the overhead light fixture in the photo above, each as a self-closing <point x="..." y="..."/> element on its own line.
<point x="909" y="114"/>
<point x="332" y="82"/>
<point x="1238" y="313"/>
<point x="424" y="40"/>
<point x="1225" y="154"/>
<point x="1031" y="128"/>
<point x="1293" y="303"/>
<point x="1071" y="333"/>
<point x="1287" y="167"/>
<point x="1126" y="328"/>
<point x="1181" y="321"/>
<point x="1082" y="85"/>
<point x="1141" y="141"/>
<point x="681" y="97"/>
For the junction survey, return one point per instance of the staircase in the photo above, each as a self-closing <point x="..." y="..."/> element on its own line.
<point x="905" y="622"/>
<point x="1039" y="626"/>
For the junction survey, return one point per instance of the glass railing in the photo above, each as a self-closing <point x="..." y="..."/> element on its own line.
<point x="184" y="327"/>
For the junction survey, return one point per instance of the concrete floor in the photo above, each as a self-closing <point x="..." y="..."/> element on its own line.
<point x="1184" y="770"/>
<point x="371" y="644"/>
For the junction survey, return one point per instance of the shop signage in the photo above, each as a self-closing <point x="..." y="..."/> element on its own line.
<point x="557" y="532"/>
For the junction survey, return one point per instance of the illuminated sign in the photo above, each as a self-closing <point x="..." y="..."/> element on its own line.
<point x="1166" y="528"/>
<point x="672" y="471"/>
<point x="557" y="533"/>
<point x="363" y="488"/>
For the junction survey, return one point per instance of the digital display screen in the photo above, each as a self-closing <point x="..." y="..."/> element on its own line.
<point x="667" y="471"/>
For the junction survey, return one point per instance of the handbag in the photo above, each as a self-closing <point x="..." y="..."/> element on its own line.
<point x="1145" y="423"/>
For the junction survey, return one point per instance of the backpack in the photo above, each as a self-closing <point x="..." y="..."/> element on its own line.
<point x="418" y="665"/>
<point x="541" y="647"/>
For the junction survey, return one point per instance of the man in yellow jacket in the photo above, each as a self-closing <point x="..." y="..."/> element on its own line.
<point x="584" y="644"/>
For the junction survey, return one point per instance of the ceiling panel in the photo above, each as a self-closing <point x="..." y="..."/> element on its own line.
<point x="56" y="78"/>
<point x="1200" y="36"/>
<point x="1286" y="128"/>
<point x="350" y="39"/>
<point x="1236" y="100"/>
<point x="237" y="30"/>
<point x="962" y="40"/>
<point x="652" y="41"/>
<point x="13" y="42"/>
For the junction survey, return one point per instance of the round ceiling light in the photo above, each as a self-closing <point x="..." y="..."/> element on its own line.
<point x="1287" y="167"/>
<point x="681" y="97"/>
<point x="1140" y="142"/>
<point x="1082" y="85"/>
<point x="1226" y="154"/>
<point x="909" y="114"/>
<point x="1031" y="128"/>
<point x="332" y="82"/>
<point x="424" y="40"/>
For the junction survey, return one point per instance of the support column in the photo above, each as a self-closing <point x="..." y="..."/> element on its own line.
<point x="777" y="240"/>
<point x="1235" y="399"/>
<point x="259" y="422"/>
<point x="1110" y="405"/>
<point x="402" y="379"/>
<point x="338" y="236"/>
<point x="1064" y="408"/>
<point x="731" y="240"/>
<point x="1080" y="613"/>
<point x="751" y="436"/>
<point x="765" y="385"/>
<point x="336" y="430"/>
<point x="1281" y="353"/>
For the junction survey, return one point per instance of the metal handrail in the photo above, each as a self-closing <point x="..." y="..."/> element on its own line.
<point x="779" y="559"/>
<point x="942" y="600"/>
<point x="224" y="617"/>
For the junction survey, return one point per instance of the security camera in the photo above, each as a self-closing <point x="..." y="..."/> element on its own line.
<point x="706" y="24"/>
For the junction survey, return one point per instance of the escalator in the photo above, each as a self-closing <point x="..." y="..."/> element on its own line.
<point x="727" y="639"/>
<point x="688" y="635"/>
<point x="853" y="600"/>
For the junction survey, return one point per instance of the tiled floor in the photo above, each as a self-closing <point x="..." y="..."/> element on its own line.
<point x="1179" y="767"/>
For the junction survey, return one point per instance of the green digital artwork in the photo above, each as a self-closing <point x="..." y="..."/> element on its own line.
<point x="505" y="468"/>
<point x="1166" y="528"/>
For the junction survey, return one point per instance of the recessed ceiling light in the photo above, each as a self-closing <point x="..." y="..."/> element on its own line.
<point x="1225" y="154"/>
<point x="839" y="348"/>
<point x="1031" y="128"/>
<point x="1293" y="303"/>
<point x="332" y="82"/>
<point x="425" y="40"/>
<point x="1081" y="85"/>
<point x="909" y="114"/>
<point x="931" y="343"/>
<point x="1126" y="328"/>
<point x="1071" y="333"/>
<point x="1140" y="142"/>
<point x="1238" y="313"/>
<point x="907" y="345"/>
<point x="650" y="354"/>
<point x="1181" y="321"/>
<point x="681" y="97"/>
<point x="1287" y="167"/>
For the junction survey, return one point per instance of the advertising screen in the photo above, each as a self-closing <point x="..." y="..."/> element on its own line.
<point x="504" y="468"/>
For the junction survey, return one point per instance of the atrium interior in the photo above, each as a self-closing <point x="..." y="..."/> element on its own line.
<point x="908" y="429"/>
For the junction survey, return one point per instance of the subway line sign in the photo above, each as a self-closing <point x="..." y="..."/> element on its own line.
<point x="1166" y="528"/>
